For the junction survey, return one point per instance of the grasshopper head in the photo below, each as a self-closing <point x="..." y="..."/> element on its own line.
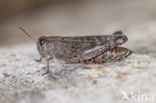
<point x="42" y="46"/>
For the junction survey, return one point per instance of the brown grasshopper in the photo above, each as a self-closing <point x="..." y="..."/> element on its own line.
<point x="82" y="49"/>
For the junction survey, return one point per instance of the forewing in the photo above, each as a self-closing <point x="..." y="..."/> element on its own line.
<point x="96" y="40"/>
<point x="96" y="45"/>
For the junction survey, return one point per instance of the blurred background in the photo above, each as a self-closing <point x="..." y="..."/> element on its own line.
<point x="137" y="19"/>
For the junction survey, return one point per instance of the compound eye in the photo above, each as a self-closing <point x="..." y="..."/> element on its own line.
<point x="42" y="41"/>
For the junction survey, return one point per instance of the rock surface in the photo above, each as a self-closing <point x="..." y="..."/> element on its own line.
<point x="21" y="79"/>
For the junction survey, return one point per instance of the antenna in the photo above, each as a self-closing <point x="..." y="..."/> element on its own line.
<point x="27" y="34"/>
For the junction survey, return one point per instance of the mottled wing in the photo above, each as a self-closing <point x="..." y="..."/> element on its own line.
<point x="78" y="45"/>
<point x="88" y="47"/>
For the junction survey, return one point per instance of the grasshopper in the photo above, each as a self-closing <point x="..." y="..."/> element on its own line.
<point x="82" y="49"/>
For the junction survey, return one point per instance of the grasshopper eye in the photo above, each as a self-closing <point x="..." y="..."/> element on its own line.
<point x="42" y="41"/>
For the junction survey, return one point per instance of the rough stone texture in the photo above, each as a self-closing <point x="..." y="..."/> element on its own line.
<point x="21" y="79"/>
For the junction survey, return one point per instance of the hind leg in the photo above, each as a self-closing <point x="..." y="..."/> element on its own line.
<point x="113" y="55"/>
